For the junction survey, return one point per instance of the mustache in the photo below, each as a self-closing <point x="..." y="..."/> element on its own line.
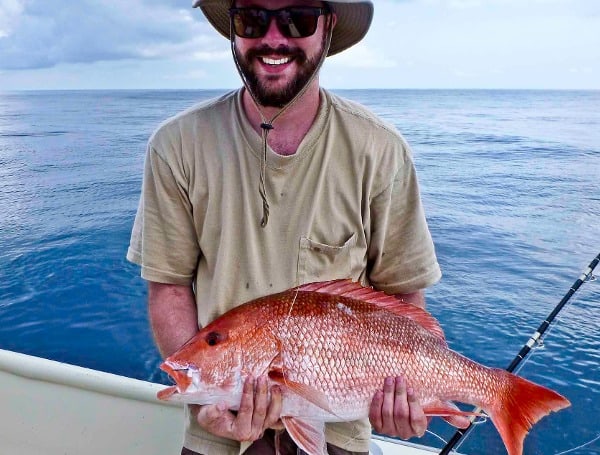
<point x="282" y="51"/>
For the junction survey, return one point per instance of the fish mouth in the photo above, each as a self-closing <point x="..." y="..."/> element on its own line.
<point x="186" y="377"/>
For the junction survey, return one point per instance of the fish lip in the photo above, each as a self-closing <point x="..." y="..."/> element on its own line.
<point x="183" y="374"/>
<point x="171" y="367"/>
<point x="167" y="394"/>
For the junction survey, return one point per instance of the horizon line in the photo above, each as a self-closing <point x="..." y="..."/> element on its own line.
<point x="224" y="89"/>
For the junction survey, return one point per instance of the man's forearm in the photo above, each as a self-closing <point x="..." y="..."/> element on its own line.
<point x="416" y="298"/>
<point x="173" y="315"/>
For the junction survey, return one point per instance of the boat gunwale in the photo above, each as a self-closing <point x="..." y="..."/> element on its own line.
<point x="52" y="371"/>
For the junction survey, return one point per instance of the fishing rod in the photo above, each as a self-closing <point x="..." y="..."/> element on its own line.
<point x="527" y="347"/>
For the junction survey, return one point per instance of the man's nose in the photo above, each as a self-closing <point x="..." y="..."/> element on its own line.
<point x="273" y="34"/>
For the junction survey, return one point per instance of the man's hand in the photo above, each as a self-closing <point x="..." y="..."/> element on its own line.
<point x="255" y="415"/>
<point x="396" y="411"/>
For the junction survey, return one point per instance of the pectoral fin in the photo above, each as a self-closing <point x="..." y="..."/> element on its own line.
<point x="309" y="435"/>
<point x="315" y="396"/>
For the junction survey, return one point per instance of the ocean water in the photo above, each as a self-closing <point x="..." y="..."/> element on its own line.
<point x="510" y="185"/>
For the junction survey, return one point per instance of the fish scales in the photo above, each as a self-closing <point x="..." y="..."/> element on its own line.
<point x="329" y="347"/>
<point x="378" y="333"/>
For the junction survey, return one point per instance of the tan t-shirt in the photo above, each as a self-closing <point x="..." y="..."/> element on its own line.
<point x="345" y="205"/>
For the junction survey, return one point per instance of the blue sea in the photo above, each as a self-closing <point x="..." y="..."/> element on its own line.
<point x="510" y="183"/>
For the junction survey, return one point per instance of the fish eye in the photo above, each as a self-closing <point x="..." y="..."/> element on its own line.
<point x="213" y="338"/>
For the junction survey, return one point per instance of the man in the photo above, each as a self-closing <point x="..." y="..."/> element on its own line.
<point x="277" y="184"/>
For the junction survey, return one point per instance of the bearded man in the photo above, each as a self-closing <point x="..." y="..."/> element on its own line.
<point x="271" y="186"/>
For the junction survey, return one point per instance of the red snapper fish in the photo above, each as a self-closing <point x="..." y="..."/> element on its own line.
<point x="329" y="347"/>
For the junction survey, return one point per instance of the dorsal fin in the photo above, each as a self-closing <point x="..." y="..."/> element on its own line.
<point x="354" y="290"/>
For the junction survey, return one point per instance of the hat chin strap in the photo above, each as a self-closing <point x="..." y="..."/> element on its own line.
<point x="267" y="125"/>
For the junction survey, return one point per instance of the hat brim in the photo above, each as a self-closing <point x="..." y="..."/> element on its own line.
<point x="353" y="20"/>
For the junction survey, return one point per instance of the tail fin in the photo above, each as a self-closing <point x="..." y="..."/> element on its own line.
<point x="522" y="404"/>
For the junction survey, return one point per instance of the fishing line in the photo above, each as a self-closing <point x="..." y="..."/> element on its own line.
<point x="535" y="340"/>
<point x="437" y="436"/>
<point x="287" y="322"/>
<point x="478" y="421"/>
<point x="293" y="302"/>
<point x="539" y="342"/>
<point x="581" y="446"/>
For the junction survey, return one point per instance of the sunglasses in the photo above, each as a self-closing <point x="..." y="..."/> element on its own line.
<point x="292" y="22"/>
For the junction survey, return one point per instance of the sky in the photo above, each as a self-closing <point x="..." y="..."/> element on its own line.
<point x="165" y="44"/>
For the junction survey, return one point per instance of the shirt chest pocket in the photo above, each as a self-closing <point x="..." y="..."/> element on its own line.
<point x="322" y="262"/>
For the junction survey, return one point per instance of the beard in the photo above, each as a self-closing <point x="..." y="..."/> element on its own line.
<point x="276" y="97"/>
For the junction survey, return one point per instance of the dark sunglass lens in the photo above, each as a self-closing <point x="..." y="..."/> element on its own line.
<point x="292" y="22"/>
<point x="250" y="23"/>
<point x="298" y="22"/>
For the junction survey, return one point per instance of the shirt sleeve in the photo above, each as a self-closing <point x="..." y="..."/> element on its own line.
<point x="163" y="240"/>
<point x="401" y="253"/>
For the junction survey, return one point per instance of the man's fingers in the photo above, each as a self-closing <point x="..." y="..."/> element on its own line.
<point x="242" y="426"/>
<point x="396" y="410"/>
<point x="215" y="418"/>
<point x="257" y="412"/>
<point x="418" y="420"/>
<point x="272" y="419"/>
<point x="375" y="411"/>
<point x="387" y="407"/>
<point x="401" y="424"/>
<point x="261" y="402"/>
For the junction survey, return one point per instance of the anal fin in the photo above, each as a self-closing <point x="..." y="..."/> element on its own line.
<point x="309" y="435"/>
<point x="450" y="413"/>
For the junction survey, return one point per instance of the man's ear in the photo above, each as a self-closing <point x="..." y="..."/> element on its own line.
<point x="334" y="20"/>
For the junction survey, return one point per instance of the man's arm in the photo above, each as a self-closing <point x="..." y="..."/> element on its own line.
<point x="173" y="315"/>
<point x="416" y="298"/>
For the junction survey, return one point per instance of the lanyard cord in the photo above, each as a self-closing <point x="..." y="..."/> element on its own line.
<point x="267" y="125"/>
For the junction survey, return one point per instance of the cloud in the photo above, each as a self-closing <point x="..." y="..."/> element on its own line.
<point x="212" y="56"/>
<point x="412" y="43"/>
<point x="10" y="10"/>
<point x="461" y="4"/>
<point x="361" y="56"/>
<point x="42" y="34"/>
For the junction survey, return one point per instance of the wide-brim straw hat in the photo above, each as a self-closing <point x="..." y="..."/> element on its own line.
<point x="353" y="20"/>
